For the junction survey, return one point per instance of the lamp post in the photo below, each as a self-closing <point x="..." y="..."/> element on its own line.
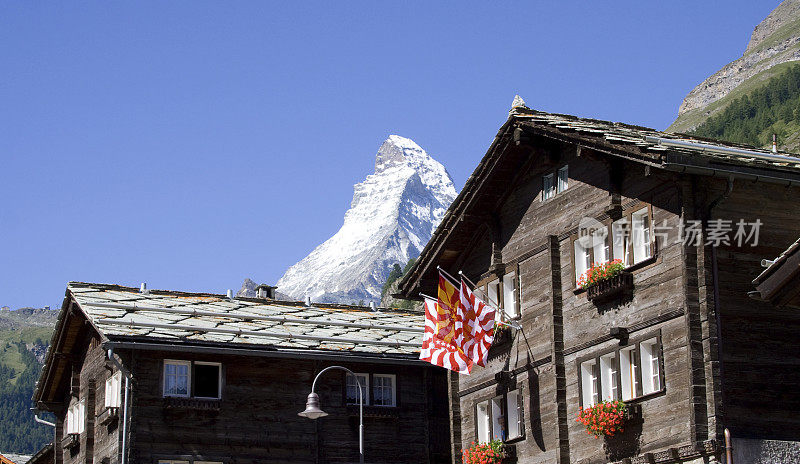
<point x="313" y="411"/>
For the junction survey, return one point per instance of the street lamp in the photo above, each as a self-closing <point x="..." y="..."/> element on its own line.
<point x="313" y="411"/>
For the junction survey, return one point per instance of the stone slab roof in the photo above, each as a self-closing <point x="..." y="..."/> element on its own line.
<point x="121" y="313"/>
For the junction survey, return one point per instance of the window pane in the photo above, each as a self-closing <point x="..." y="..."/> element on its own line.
<point x="641" y="235"/>
<point x="483" y="422"/>
<point x="514" y="414"/>
<point x="498" y="419"/>
<point x="621" y="240"/>
<point x="176" y="378"/>
<point x="352" y="388"/>
<point x="548" y="189"/>
<point x="509" y="298"/>
<point x="589" y="384"/>
<point x="608" y="374"/>
<point x="628" y="371"/>
<point x="651" y="381"/>
<point x="206" y="380"/>
<point x="383" y="391"/>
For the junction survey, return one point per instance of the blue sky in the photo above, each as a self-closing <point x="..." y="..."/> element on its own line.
<point x="193" y="144"/>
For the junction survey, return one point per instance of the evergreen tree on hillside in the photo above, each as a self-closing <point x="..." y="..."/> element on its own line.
<point x="20" y="434"/>
<point x="753" y="118"/>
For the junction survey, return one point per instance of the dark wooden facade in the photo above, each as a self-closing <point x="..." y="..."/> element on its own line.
<point x="255" y="419"/>
<point x="725" y="360"/>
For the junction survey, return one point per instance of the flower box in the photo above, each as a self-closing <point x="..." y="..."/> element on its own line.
<point x="502" y="334"/>
<point x="632" y="412"/>
<point x="494" y="452"/>
<point x="604" y="419"/>
<point x="612" y="287"/>
<point x="70" y="440"/>
<point x="201" y="404"/>
<point x="108" y="416"/>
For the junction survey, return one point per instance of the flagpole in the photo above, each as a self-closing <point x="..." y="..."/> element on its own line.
<point x="514" y="326"/>
<point x="427" y="296"/>
<point x="453" y="280"/>
<point x="461" y="273"/>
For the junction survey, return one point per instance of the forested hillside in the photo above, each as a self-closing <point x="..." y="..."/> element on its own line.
<point x="773" y="108"/>
<point x="24" y="335"/>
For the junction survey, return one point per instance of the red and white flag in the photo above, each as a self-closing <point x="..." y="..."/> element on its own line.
<point x="439" y="346"/>
<point x="474" y="326"/>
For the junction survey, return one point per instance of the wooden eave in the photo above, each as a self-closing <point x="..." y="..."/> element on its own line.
<point x="781" y="285"/>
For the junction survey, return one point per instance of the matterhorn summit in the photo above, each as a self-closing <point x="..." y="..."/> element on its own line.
<point x="392" y="216"/>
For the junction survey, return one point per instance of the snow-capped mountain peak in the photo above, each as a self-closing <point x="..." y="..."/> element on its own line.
<point x="392" y="216"/>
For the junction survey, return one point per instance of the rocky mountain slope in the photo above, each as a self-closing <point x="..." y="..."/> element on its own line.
<point x="392" y="216"/>
<point x="773" y="43"/>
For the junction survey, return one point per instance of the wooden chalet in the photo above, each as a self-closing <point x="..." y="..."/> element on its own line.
<point x="678" y="336"/>
<point x="166" y="377"/>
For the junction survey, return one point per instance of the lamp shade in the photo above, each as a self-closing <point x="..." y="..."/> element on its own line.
<point x="312" y="407"/>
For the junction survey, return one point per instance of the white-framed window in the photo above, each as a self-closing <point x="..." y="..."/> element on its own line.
<point x="651" y="371"/>
<point x="563" y="179"/>
<point x="113" y="388"/>
<point x="352" y="387"/>
<point x="583" y="261"/>
<point x="629" y="372"/>
<point x="509" y="297"/>
<point x="483" y="421"/>
<point x="383" y="390"/>
<point x="623" y="374"/>
<point x="207" y="380"/>
<point x="589" y="386"/>
<point x="76" y="417"/>
<point x="198" y="379"/>
<point x="548" y="187"/>
<point x="641" y="235"/>
<point x="514" y="417"/>
<point x="500" y="418"/>
<point x="628" y="239"/>
<point x="608" y="368"/>
<point x="177" y="378"/>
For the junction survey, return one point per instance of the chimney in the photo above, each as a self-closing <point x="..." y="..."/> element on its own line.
<point x="308" y="300"/>
<point x="230" y="294"/>
<point x="774" y="143"/>
<point x="143" y="288"/>
<point x="265" y="291"/>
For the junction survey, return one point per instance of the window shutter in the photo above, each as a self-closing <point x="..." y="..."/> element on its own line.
<point x="514" y="417"/>
<point x="521" y="413"/>
<point x="637" y="360"/>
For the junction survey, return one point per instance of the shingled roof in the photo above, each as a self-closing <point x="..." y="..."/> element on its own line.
<point x="165" y="320"/>
<point x="674" y="152"/>
<point x="120" y="313"/>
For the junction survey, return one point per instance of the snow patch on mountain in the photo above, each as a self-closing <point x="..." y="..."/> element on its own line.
<point x="392" y="216"/>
